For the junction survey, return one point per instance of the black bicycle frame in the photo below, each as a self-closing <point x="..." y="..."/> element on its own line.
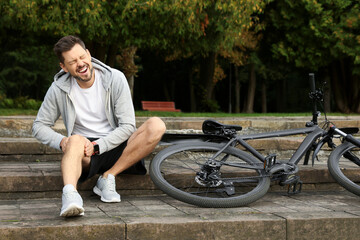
<point x="313" y="133"/>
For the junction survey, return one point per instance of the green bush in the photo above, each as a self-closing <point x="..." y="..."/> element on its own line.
<point x="7" y="103"/>
<point x="32" y="104"/>
<point x="19" y="103"/>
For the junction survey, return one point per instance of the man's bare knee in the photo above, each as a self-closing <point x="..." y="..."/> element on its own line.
<point x="157" y="125"/>
<point x="155" y="128"/>
<point x="76" y="140"/>
<point x="76" y="143"/>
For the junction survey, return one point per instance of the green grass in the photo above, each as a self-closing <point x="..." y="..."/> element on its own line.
<point x="28" y="112"/>
<point x="202" y="114"/>
<point x="17" y="112"/>
<point x="220" y="114"/>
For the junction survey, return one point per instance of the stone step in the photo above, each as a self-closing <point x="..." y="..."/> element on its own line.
<point x="20" y="126"/>
<point x="30" y="196"/>
<point x="39" y="179"/>
<point x="43" y="179"/>
<point x="31" y="150"/>
<point x="32" y="170"/>
<point x="309" y="215"/>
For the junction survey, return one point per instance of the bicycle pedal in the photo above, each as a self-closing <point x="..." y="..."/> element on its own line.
<point x="269" y="162"/>
<point x="295" y="188"/>
<point x="289" y="179"/>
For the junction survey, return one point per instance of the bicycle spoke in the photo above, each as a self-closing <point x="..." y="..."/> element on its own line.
<point x="190" y="162"/>
<point x="190" y="173"/>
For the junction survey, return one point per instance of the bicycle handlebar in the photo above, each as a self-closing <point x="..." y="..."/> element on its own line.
<point x="313" y="93"/>
<point x="312" y="81"/>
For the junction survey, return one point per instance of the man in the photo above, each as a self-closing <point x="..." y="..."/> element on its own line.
<point x="95" y="104"/>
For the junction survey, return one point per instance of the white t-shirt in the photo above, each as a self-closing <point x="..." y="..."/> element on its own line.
<point x="91" y="120"/>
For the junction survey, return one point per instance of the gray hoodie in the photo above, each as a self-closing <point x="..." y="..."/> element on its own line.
<point x="118" y="107"/>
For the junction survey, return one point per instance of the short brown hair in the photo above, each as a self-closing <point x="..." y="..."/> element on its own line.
<point x="66" y="44"/>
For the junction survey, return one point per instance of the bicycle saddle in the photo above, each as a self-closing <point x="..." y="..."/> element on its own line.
<point x="213" y="127"/>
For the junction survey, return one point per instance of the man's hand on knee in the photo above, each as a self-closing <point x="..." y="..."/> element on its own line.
<point x="89" y="148"/>
<point x="63" y="143"/>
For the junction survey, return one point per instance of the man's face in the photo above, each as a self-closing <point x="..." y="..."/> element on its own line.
<point x="77" y="62"/>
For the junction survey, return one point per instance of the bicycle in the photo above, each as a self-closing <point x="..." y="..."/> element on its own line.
<point x="209" y="170"/>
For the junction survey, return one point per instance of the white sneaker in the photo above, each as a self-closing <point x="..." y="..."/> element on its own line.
<point x="72" y="203"/>
<point x="105" y="188"/>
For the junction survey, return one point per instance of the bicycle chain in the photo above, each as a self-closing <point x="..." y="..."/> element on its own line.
<point x="262" y="176"/>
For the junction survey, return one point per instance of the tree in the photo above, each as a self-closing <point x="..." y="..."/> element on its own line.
<point x="320" y="36"/>
<point x="242" y="54"/>
<point x="105" y="26"/>
<point x="183" y="27"/>
<point x="222" y="27"/>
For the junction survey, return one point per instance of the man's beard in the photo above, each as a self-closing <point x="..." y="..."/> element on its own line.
<point x="87" y="79"/>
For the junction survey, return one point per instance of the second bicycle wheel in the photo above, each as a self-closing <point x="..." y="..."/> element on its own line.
<point x="344" y="165"/>
<point x="189" y="173"/>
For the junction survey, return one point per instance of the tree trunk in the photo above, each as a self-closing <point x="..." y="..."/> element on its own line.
<point x="345" y="86"/>
<point x="131" y="81"/>
<point x="100" y="52"/>
<point x="249" y="108"/>
<point x="280" y="95"/>
<point x="327" y="93"/>
<point x="111" y="55"/>
<point x="166" y="91"/>
<point x="356" y="90"/>
<point x="263" y="97"/>
<point x="191" y="88"/>
<point x="337" y="87"/>
<point x="237" y="90"/>
<point x="126" y="60"/>
<point x="207" y="68"/>
<point x="230" y="90"/>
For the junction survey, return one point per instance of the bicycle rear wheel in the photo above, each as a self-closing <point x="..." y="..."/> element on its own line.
<point x="344" y="164"/>
<point x="185" y="172"/>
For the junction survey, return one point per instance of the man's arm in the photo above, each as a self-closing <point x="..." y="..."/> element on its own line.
<point x="124" y="114"/>
<point x="47" y="115"/>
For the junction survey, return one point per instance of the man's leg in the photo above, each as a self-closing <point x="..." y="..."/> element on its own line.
<point x="72" y="164"/>
<point x="74" y="160"/>
<point x="140" y="144"/>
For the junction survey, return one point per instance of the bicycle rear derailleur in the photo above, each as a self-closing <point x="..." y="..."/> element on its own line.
<point x="209" y="174"/>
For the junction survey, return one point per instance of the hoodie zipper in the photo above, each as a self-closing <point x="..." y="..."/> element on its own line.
<point x="71" y="114"/>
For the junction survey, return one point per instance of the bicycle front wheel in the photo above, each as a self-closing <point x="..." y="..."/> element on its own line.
<point x="188" y="172"/>
<point x="344" y="164"/>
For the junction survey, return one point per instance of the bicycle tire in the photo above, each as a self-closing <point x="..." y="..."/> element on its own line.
<point x="172" y="180"/>
<point x="343" y="170"/>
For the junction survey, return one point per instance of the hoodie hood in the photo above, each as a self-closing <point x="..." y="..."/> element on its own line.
<point x="63" y="79"/>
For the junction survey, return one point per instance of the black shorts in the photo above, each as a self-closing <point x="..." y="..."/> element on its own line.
<point x="103" y="162"/>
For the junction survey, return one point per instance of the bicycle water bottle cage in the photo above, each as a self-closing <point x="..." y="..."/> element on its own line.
<point x="216" y="128"/>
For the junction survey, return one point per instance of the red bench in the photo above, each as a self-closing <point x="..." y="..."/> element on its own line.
<point x="159" y="106"/>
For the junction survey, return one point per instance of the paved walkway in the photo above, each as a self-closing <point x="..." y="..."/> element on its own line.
<point x="309" y="215"/>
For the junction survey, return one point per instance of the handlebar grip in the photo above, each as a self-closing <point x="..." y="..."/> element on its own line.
<point x="353" y="140"/>
<point x="312" y="81"/>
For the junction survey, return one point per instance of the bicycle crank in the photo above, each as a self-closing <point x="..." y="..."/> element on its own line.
<point x="294" y="184"/>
